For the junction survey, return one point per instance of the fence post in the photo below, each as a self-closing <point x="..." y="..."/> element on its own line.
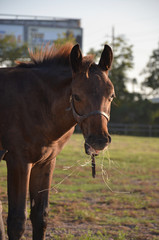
<point x="126" y="129"/>
<point x="150" y="131"/>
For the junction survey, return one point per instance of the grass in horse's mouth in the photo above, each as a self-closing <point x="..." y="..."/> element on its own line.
<point x="105" y="157"/>
<point x="112" y="165"/>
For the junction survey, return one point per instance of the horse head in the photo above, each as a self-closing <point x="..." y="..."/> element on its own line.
<point x="92" y="94"/>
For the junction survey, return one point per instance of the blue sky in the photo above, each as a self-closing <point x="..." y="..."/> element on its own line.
<point x="138" y="20"/>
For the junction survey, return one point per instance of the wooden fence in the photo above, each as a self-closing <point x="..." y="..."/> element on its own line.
<point x="134" y="129"/>
<point x="131" y="129"/>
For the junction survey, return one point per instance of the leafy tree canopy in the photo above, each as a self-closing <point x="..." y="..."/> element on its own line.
<point x="10" y="51"/>
<point x="64" y="38"/>
<point x="152" y="73"/>
<point x="123" y="61"/>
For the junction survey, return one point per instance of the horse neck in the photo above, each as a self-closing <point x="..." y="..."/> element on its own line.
<point x="58" y="90"/>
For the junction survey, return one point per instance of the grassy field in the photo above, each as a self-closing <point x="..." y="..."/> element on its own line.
<point x="122" y="202"/>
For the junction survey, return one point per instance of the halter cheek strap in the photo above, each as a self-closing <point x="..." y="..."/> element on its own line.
<point x="79" y="118"/>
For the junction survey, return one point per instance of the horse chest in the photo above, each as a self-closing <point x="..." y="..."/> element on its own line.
<point x="59" y="144"/>
<point x="51" y="151"/>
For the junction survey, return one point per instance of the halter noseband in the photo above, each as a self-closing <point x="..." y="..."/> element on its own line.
<point x="80" y="118"/>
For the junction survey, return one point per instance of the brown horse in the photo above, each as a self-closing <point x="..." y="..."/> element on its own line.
<point x="40" y="103"/>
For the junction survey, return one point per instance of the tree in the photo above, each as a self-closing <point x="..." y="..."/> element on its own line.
<point x="123" y="61"/>
<point x="10" y="51"/>
<point x="152" y="73"/>
<point x="64" y="38"/>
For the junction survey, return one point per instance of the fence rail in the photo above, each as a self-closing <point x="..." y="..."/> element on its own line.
<point x="134" y="129"/>
<point x="131" y="129"/>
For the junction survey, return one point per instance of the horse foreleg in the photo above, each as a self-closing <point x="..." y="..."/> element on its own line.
<point x="2" y="234"/>
<point x="18" y="181"/>
<point x="41" y="176"/>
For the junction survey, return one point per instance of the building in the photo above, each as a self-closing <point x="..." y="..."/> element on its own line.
<point x="38" y="30"/>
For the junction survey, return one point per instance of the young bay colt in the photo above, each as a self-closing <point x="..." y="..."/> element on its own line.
<point x="40" y="103"/>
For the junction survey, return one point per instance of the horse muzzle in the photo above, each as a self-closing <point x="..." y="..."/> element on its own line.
<point x="93" y="145"/>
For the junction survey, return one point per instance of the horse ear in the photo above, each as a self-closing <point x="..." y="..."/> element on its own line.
<point x="106" y="58"/>
<point x="76" y="58"/>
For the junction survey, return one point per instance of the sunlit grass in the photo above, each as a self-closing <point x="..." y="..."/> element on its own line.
<point x="124" y="206"/>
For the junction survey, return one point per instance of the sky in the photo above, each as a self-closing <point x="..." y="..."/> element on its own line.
<point x="137" y="20"/>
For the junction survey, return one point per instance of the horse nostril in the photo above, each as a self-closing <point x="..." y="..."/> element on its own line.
<point x="109" y="139"/>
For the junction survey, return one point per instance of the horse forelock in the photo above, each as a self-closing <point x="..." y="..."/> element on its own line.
<point x="49" y="55"/>
<point x="87" y="62"/>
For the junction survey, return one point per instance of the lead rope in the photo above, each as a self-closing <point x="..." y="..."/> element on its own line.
<point x="93" y="166"/>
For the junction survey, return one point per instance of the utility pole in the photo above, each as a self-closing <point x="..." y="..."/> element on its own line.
<point x="113" y="36"/>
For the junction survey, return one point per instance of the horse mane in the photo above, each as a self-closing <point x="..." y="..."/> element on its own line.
<point x="48" y="55"/>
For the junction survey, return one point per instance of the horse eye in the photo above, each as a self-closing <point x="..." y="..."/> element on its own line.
<point x="76" y="97"/>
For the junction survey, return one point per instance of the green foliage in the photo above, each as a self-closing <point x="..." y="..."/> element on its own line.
<point x="10" y="51"/>
<point x="140" y="111"/>
<point x="64" y="38"/>
<point x="152" y="72"/>
<point x="122" y="62"/>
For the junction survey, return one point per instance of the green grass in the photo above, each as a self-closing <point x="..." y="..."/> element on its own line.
<point x="124" y="206"/>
